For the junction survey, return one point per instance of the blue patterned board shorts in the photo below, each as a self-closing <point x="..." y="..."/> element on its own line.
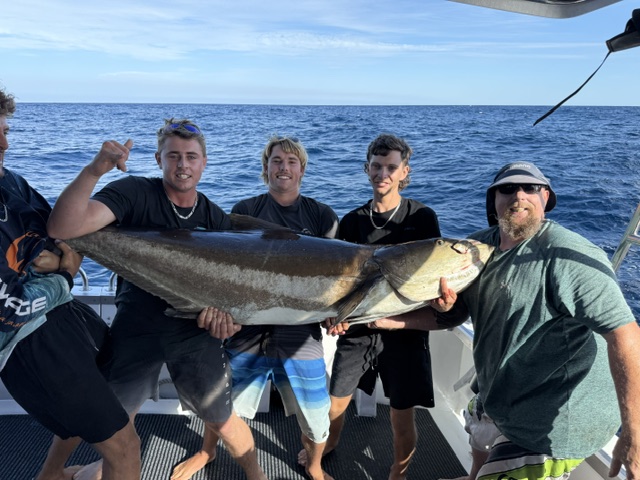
<point x="293" y="358"/>
<point x="508" y="461"/>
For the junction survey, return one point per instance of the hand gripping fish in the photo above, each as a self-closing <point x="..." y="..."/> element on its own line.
<point x="273" y="276"/>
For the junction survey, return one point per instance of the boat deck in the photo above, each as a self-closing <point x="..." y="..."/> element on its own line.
<point x="365" y="451"/>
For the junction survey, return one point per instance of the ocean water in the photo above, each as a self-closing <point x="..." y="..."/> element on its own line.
<point x="591" y="155"/>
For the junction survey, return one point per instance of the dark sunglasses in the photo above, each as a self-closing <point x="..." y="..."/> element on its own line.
<point x="527" y="188"/>
<point x="184" y="126"/>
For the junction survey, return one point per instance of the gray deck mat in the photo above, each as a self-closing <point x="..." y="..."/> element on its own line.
<point x="365" y="451"/>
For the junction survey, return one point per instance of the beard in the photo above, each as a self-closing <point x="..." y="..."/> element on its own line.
<point x="521" y="230"/>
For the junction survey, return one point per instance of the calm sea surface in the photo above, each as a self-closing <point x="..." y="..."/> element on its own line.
<point x="591" y="154"/>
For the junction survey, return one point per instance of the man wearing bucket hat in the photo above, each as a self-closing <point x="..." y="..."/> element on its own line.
<point x="554" y="339"/>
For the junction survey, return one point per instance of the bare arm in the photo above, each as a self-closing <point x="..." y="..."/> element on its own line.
<point x="424" y="318"/>
<point x="74" y="213"/>
<point x="624" y="359"/>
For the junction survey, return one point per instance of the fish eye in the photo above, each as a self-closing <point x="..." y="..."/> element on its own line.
<point x="461" y="247"/>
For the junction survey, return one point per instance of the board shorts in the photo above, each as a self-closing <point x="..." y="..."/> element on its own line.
<point x="293" y="358"/>
<point x="54" y="375"/>
<point x="141" y="342"/>
<point x="509" y="461"/>
<point x="401" y="358"/>
<point x="481" y="429"/>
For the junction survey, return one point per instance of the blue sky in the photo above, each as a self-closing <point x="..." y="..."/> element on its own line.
<point x="344" y="52"/>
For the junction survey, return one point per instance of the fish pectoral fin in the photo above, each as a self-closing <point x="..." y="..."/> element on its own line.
<point x="172" y="312"/>
<point x="351" y="302"/>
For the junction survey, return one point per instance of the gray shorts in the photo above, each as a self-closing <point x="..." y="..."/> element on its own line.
<point x="142" y="342"/>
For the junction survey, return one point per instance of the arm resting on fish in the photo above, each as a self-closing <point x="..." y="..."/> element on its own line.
<point x="425" y="318"/>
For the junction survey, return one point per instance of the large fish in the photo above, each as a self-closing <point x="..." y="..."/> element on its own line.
<point x="275" y="276"/>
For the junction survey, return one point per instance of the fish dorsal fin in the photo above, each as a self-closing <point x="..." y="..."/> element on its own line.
<point x="351" y="302"/>
<point x="246" y="222"/>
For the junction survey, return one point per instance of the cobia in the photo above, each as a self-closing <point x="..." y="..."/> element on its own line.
<point x="275" y="276"/>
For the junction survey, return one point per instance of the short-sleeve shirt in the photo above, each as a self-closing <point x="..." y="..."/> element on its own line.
<point x="413" y="221"/>
<point x="306" y="215"/>
<point x="543" y="373"/>
<point x="142" y="202"/>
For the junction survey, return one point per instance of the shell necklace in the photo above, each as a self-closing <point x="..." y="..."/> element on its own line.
<point x="175" y="210"/>
<point x="388" y="219"/>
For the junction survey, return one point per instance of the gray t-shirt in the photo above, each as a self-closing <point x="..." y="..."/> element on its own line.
<point x="543" y="373"/>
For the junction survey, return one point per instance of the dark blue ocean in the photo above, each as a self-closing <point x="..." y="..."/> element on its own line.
<point x="591" y="154"/>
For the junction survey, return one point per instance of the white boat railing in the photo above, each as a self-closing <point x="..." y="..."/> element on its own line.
<point x="629" y="238"/>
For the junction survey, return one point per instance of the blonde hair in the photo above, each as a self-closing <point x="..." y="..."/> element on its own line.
<point x="288" y="145"/>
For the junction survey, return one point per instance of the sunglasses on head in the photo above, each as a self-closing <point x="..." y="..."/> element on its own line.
<point x="527" y="188"/>
<point x="184" y="126"/>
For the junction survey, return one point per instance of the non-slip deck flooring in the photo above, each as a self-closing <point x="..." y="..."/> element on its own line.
<point x="365" y="451"/>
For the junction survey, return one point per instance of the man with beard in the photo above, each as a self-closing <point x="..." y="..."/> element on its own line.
<point x="554" y="339"/>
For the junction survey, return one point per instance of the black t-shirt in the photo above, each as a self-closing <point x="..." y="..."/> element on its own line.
<point x="305" y="215"/>
<point x="142" y="202"/>
<point x="413" y="221"/>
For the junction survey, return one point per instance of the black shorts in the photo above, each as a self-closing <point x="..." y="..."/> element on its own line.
<point x="54" y="375"/>
<point x="142" y="341"/>
<point x="400" y="358"/>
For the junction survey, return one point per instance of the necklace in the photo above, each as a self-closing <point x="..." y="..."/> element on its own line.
<point x="175" y="210"/>
<point x="388" y="219"/>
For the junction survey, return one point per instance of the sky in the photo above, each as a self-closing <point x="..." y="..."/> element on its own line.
<point x="310" y="52"/>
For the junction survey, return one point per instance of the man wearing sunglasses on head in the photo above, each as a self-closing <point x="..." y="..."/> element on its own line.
<point x="554" y="339"/>
<point x="143" y="337"/>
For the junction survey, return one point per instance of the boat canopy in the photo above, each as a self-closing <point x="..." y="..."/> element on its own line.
<point x="543" y="8"/>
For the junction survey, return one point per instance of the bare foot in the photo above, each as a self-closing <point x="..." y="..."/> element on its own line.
<point x="192" y="465"/>
<point x="302" y="455"/>
<point x="93" y="471"/>
<point x="322" y="475"/>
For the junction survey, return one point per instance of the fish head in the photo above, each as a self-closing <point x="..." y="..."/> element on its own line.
<point x="414" y="269"/>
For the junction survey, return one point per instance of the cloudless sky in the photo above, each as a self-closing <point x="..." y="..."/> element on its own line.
<point x="307" y="52"/>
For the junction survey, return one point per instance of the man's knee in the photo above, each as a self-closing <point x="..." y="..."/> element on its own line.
<point x="125" y="443"/>
<point x="403" y="421"/>
<point x="338" y="406"/>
